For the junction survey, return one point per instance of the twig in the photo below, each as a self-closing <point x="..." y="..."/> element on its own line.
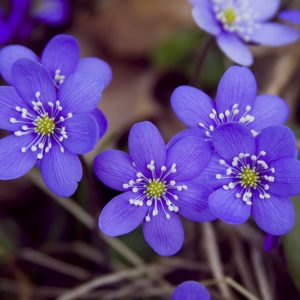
<point x="53" y="263"/>
<point x="214" y="259"/>
<point x="240" y="288"/>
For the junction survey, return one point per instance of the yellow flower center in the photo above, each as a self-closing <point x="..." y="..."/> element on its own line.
<point x="155" y="189"/>
<point x="45" y="125"/>
<point x="229" y="15"/>
<point x="249" y="178"/>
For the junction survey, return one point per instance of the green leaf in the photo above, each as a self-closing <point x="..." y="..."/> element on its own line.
<point x="291" y="244"/>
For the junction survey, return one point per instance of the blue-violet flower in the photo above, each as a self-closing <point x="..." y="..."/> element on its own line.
<point x="292" y="16"/>
<point x="191" y="290"/>
<point x="156" y="185"/>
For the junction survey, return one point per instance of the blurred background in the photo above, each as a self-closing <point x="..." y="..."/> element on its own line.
<point x="50" y="248"/>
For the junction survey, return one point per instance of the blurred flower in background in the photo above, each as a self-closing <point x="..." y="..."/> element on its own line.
<point x="190" y="290"/>
<point x="18" y="17"/>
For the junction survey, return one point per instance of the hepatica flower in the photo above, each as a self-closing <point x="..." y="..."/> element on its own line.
<point x="236" y="23"/>
<point x="292" y="16"/>
<point x="255" y="175"/>
<point x="191" y="290"/>
<point x="49" y="127"/>
<point x="156" y="185"/>
<point x="236" y="101"/>
<point x="61" y="57"/>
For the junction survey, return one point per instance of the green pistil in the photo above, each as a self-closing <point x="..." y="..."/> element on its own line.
<point x="229" y="15"/>
<point x="249" y="178"/>
<point x="45" y="125"/>
<point x="155" y="189"/>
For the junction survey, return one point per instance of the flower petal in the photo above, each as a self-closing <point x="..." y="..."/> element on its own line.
<point x="119" y="217"/>
<point x="197" y="132"/>
<point x="268" y="110"/>
<point x="15" y="163"/>
<point x="287" y="175"/>
<point x="237" y="86"/>
<point x="274" y="215"/>
<point x="191" y="155"/>
<point x="191" y="290"/>
<point x="193" y="202"/>
<point x="114" y="168"/>
<point x="274" y="34"/>
<point x="80" y="92"/>
<point x="228" y="208"/>
<point x="292" y="16"/>
<point x="205" y="18"/>
<point x="145" y="144"/>
<point x="96" y="66"/>
<point x="165" y="236"/>
<point x="82" y="131"/>
<point x="278" y="142"/>
<point x="61" y="53"/>
<point x="101" y="122"/>
<point x="235" y="49"/>
<point x="231" y="139"/>
<point x="61" y="171"/>
<point x="265" y="10"/>
<point x="191" y="106"/>
<point x="30" y="77"/>
<point x="9" y="55"/>
<point x="9" y="99"/>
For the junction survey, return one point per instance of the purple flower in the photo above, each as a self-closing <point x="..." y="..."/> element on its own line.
<point x="190" y="290"/>
<point x="235" y="23"/>
<point x="254" y="175"/>
<point x="236" y="101"/>
<point x="61" y="57"/>
<point x="156" y="185"/>
<point x="49" y="127"/>
<point x="271" y="241"/>
<point x="23" y="14"/>
<point x="292" y="16"/>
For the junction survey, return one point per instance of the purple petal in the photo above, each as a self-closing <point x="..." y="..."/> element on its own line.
<point x="205" y="17"/>
<point x="61" y="171"/>
<point x="96" y="66"/>
<point x="232" y="139"/>
<point x="287" y="175"/>
<point x="30" y="77"/>
<point x="185" y="133"/>
<point x="145" y="144"/>
<point x="278" y="142"/>
<point x="274" y="215"/>
<point x="208" y="176"/>
<point x="119" y="217"/>
<point x="235" y="49"/>
<point x="191" y="106"/>
<point x="237" y="86"/>
<point x="273" y="34"/>
<point x="191" y="155"/>
<point x="268" y="110"/>
<point x="265" y="10"/>
<point x="9" y="99"/>
<point x="114" y="168"/>
<point x="101" y="121"/>
<point x="9" y="55"/>
<point x="191" y="290"/>
<point x="82" y="133"/>
<point x="165" y="236"/>
<point x="292" y="16"/>
<point x="193" y="202"/>
<point x="271" y="241"/>
<point x="52" y="12"/>
<point x="227" y="207"/>
<point x="15" y="163"/>
<point x="61" y="53"/>
<point x="80" y="92"/>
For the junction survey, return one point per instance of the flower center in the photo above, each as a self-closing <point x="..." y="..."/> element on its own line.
<point x="159" y="191"/>
<point x="155" y="189"/>
<point x="44" y="125"/>
<point x="229" y="15"/>
<point x="248" y="175"/>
